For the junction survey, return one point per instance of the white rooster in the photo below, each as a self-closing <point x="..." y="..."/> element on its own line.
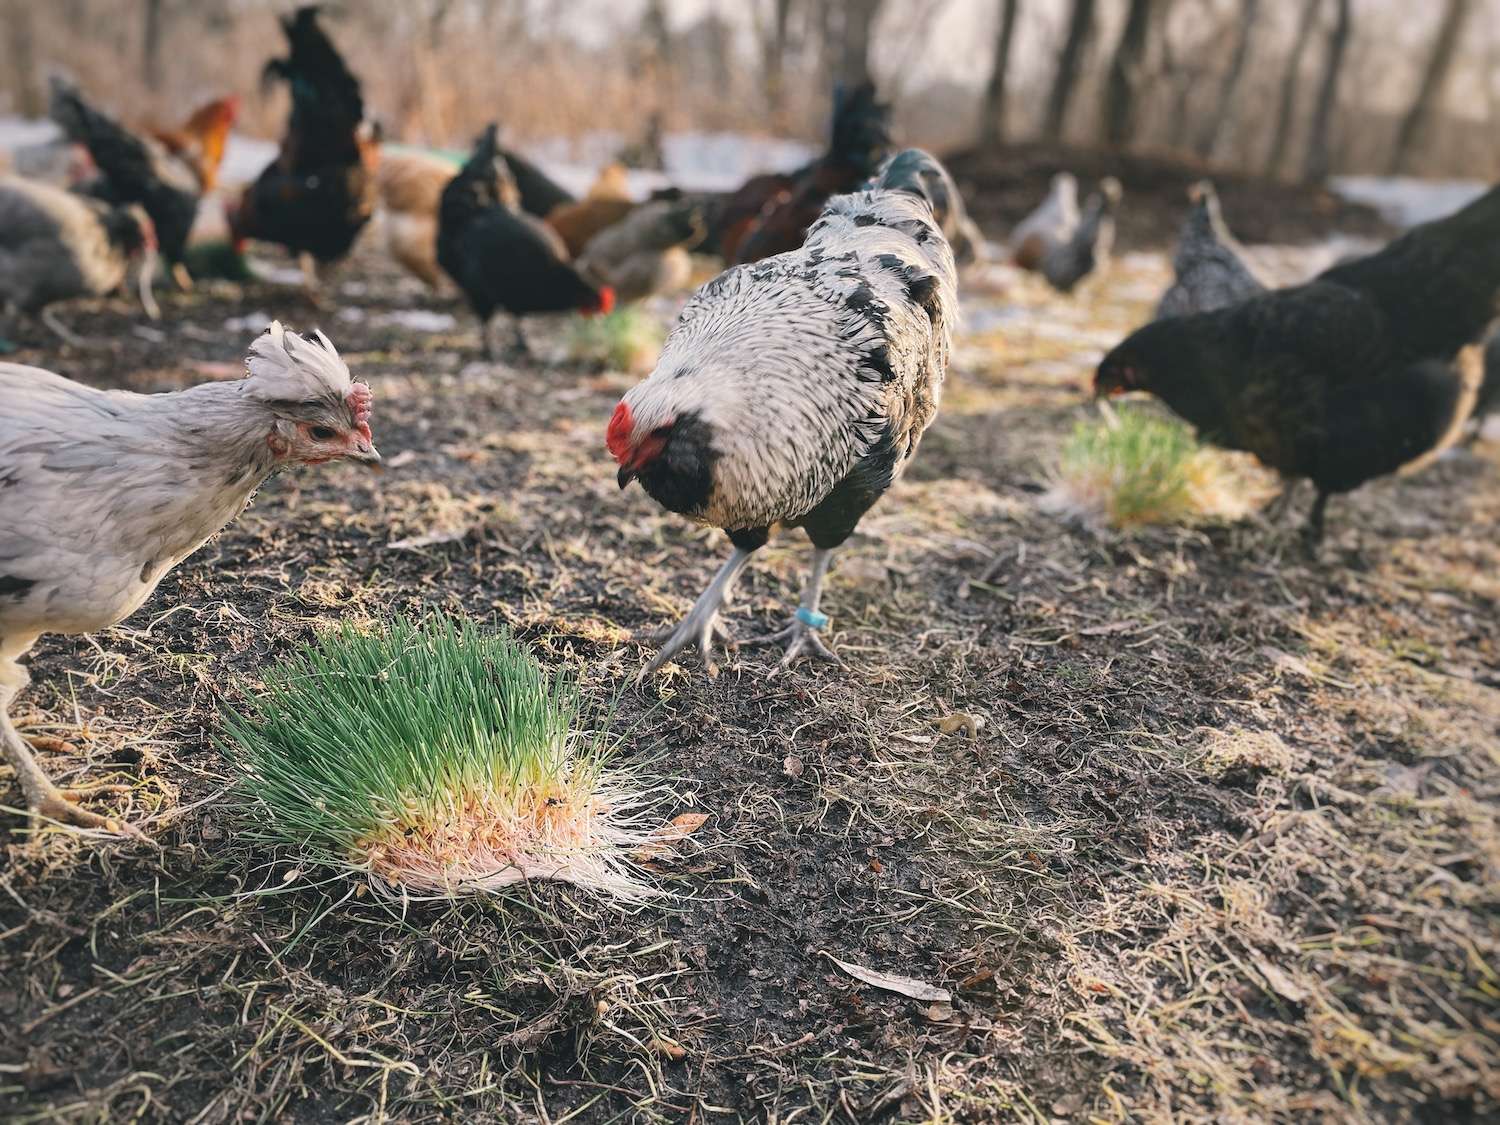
<point x="103" y="492"/>
<point x="794" y="391"/>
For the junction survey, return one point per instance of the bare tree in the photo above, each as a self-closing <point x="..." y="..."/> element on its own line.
<point x="992" y="111"/>
<point x="1124" y="74"/>
<point x="151" y="44"/>
<point x="1216" y="125"/>
<point x="1069" y="66"/>
<point x="1315" y="167"/>
<point x="1281" y="135"/>
<point x="859" y="25"/>
<point x="1434" y="79"/>
<point x="775" y="40"/>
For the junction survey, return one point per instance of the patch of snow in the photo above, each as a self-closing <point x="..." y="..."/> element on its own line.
<point x="1406" y="201"/>
<point x="419" y="320"/>
<point x="253" y="323"/>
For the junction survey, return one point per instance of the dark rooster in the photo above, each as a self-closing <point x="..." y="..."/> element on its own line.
<point x="502" y="258"/>
<point x="319" y="192"/>
<point x="1370" y="367"/>
<point x="794" y="391"/>
<point x="540" y="195"/>
<point x="770" y="214"/>
<point x="132" y="170"/>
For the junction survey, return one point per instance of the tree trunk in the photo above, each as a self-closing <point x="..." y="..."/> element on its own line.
<point x="859" y="24"/>
<point x="992" y="113"/>
<point x="1124" y="75"/>
<point x="1434" y="79"/>
<point x="1215" y="127"/>
<point x="1291" y="79"/>
<point x="18" y="20"/>
<point x="774" y="58"/>
<point x="1315" y="167"/>
<point x="1069" y="67"/>
<point x="151" y="45"/>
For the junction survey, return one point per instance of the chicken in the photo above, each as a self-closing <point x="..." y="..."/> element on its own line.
<point x="1089" y="247"/>
<point x="1210" y="266"/>
<point x="1371" y="366"/>
<point x="133" y="170"/>
<point x="105" y="491"/>
<point x="606" y="203"/>
<point x="200" y="141"/>
<point x="647" y="252"/>
<point x="794" y="391"/>
<point x="540" y="194"/>
<point x="1488" y="400"/>
<point x="502" y="258"/>
<point x="410" y="187"/>
<point x="319" y="192"/>
<point x="55" y="246"/>
<point x="1049" y="226"/>
<point x="860" y="141"/>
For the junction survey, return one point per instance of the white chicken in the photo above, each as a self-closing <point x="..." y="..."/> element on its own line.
<point x="1049" y="226"/>
<point x="1061" y="243"/>
<point x="103" y="492"/>
<point x="794" y="391"/>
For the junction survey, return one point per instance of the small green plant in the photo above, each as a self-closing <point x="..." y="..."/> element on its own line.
<point x="1134" y="467"/>
<point x="624" y="340"/>
<point x="439" y="759"/>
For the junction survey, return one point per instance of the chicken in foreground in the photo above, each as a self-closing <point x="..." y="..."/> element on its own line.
<point x="410" y="187"/>
<point x="794" y="391"/>
<point x="319" y="192"/>
<point x="1372" y="366"/>
<point x="962" y="232"/>
<point x="1210" y="266"/>
<point x="103" y="492"/>
<point x="132" y="170"/>
<point x="645" y="253"/>
<point x="56" y="246"/>
<point x="503" y="259"/>
<point x="608" y="201"/>
<point x="860" y="140"/>
<point x="1087" y="249"/>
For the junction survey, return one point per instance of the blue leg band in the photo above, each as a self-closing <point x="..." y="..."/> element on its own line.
<point x="812" y="618"/>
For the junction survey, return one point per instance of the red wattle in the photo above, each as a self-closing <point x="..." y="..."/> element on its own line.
<point x="617" y="437"/>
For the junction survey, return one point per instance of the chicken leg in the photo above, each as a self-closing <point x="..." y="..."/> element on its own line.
<point x="702" y="621"/>
<point x="801" y="634"/>
<point x="45" y="800"/>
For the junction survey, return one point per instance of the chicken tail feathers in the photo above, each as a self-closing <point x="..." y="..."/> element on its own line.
<point x="1448" y="395"/>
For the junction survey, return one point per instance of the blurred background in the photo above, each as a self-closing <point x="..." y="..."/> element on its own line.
<point x="1295" y="89"/>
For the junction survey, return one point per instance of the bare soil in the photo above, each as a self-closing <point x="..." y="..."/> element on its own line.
<point x="1192" y="828"/>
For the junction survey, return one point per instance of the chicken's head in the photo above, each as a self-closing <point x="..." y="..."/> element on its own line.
<point x="318" y="413"/>
<point x="601" y="304"/>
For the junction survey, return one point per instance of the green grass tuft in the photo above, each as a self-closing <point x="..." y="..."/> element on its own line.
<point x="439" y="758"/>
<point x="625" y="340"/>
<point x="1135" y="467"/>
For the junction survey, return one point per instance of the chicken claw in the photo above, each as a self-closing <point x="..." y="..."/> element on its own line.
<point x="702" y="621"/>
<point x="801" y="639"/>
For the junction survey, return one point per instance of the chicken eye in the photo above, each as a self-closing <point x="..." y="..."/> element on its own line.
<point x="322" y="433"/>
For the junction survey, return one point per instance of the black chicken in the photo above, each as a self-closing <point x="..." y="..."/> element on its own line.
<point x="131" y="170"/>
<point x="502" y="258"/>
<point x="1367" y="368"/>
<point x="319" y="192"/>
<point x="540" y="195"/>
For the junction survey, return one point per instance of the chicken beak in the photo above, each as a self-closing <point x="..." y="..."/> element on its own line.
<point x="144" y="280"/>
<point x="366" y="454"/>
<point x="625" y="475"/>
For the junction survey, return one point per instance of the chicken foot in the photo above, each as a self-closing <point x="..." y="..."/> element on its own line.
<point x="46" y="800"/>
<point x="801" y="635"/>
<point x="702" y="621"/>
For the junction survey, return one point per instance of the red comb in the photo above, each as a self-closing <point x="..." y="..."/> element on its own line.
<point x="607" y="300"/>
<point x="359" y="399"/>
<point x="617" y="437"/>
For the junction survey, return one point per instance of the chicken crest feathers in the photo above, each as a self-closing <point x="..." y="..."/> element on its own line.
<point x="285" y="367"/>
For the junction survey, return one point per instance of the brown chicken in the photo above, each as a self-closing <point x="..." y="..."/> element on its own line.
<point x="606" y="203"/>
<point x="200" y="141"/>
<point x="409" y="187"/>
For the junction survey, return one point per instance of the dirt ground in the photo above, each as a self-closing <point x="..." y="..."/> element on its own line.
<point x="1223" y="846"/>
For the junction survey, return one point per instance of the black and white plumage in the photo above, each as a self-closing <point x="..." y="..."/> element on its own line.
<point x="55" y="246"/>
<point x="793" y="391"/>
<point x="1210" y="266"/>
<point x="963" y="233"/>
<point x="103" y="492"/>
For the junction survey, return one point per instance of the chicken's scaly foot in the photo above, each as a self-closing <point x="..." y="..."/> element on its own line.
<point x="702" y="621"/>
<point x="801" y="639"/>
<point x="61" y="807"/>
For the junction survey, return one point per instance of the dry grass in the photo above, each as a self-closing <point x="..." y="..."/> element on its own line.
<point x="1192" y="830"/>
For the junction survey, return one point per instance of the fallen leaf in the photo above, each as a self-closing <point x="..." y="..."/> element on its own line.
<point x="1282" y="984"/>
<point x="937" y="1013"/>
<point x="906" y="986"/>
<point x="969" y="724"/>
<point x="676" y="829"/>
<point x="792" y="765"/>
<point x="666" y="1048"/>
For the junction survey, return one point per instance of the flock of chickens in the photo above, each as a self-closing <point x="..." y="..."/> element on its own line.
<point x="792" y="392"/>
